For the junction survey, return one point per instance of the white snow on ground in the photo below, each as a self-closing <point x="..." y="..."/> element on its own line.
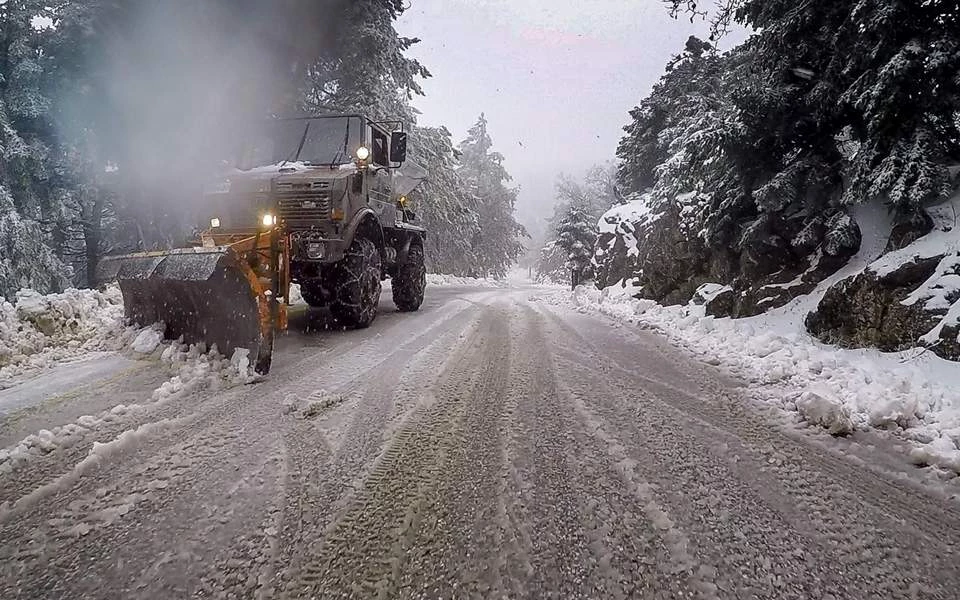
<point x="39" y="331"/>
<point x="453" y="280"/>
<point x="826" y="411"/>
<point x="913" y="394"/>
<point x="63" y="378"/>
<point x="195" y="370"/>
<point x="127" y="440"/>
<point x="312" y="405"/>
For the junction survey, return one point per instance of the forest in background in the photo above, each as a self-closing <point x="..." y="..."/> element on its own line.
<point x="752" y="160"/>
<point x="113" y="112"/>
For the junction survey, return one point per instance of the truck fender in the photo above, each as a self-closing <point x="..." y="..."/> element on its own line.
<point x="365" y="223"/>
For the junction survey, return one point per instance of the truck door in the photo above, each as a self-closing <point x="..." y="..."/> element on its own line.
<point x="381" y="190"/>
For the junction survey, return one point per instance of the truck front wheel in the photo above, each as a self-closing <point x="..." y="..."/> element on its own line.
<point x="312" y="294"/>
<point x="410" y="281"/>
<point x="356" y="284"/>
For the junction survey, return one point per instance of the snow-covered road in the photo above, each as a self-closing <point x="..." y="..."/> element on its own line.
<point x="485" y="447"/>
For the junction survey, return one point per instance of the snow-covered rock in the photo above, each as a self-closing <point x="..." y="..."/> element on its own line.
<point x="908" y="297"/>
<point x="662" y="242"/>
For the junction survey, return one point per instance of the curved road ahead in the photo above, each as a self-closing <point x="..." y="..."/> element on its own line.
<point x="485" y="447"/>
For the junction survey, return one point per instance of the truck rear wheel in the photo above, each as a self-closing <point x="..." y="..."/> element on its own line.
<point x="410" y="281"/>
<point x="356" y="284"/>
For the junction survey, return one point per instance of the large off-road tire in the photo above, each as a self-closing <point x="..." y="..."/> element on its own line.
<point x="356" y="285"/>
<point x="410" y="281"/>
<point x="311" y="294"/>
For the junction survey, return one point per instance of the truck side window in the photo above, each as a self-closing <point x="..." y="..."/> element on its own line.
<point x="380" y="150"/>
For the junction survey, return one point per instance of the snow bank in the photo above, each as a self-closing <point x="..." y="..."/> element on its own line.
<point x="195" y="370"/>
<point x="313" y="405"/>
<point x="825" y="411"/>
<point x="98" y="453"/>
<point x="913" y="394"/>
<point x="39" y="330"/>
<point x="453" y="280"/>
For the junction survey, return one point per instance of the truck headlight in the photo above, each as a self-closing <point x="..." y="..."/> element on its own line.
<point x="269" y="220"/>
<point x="363" y="153"/>
<point x="214" y="223"/>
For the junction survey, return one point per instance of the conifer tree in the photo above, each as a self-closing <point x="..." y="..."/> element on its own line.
<point x="577" y="235"/>
<point x="496" y="243"/>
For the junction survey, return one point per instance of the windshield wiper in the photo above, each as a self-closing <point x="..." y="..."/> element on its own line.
<point x="340" y="151"/>
<point x="296" y="154"/>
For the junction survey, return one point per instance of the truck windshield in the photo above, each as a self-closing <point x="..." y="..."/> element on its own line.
<point x="320" y="141"/>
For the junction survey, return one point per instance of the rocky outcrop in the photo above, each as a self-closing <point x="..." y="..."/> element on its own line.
<point x="875" y="310"/>
<point x="665" y="261"/>
<point x="908" y="297"/>
<point x="660" y="250"/>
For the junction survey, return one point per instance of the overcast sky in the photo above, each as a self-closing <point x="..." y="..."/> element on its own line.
<point x="555" y="79"/>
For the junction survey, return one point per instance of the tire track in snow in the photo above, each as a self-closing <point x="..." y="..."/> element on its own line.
<point x="322" y="479"/>
<point x="466" y="524"/>
<point x="363" y="551"/>
<point x="810" y="489"/>
<point x="110" y="424"/>
<point x="245" y="419"/>
<point x="561" y="458"/>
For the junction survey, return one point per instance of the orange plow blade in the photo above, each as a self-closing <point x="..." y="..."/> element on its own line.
<point x="208" y="295"/>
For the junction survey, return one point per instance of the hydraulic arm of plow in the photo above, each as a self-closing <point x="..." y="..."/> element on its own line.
<point x="231" y="291"/>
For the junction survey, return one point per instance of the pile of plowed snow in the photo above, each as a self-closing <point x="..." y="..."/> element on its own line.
<point x="37" y="330"/>
<point x="452" y="280"/>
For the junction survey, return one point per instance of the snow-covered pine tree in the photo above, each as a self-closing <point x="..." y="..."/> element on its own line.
<point x="595" y="194"/>
<point x="551" y="265"/>
<point x="496" y="244"/>
<point x="28" y="206"/>
<point x="448" y="210"/>
<point x="757" y="134"/>
<point x="364" y="68"/>
<point x="576" y="235"/>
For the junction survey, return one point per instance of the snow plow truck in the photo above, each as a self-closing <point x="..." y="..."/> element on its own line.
<point x="317" y="201"/>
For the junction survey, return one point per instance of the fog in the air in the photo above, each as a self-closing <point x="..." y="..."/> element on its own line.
<point x="183" y="81"/>
<point x="555" y="79"/>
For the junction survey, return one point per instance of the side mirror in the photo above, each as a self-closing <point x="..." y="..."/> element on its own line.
<point x="398" y="146"/>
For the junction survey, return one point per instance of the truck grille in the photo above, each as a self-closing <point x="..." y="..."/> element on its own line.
<point x="303" y="209"/>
